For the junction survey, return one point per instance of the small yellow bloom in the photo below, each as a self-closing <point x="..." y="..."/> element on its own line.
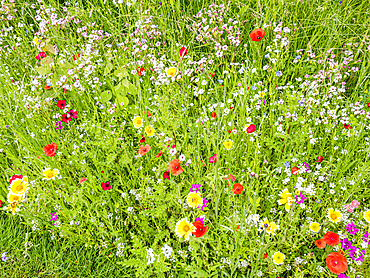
<point x="262" y="94"/>
<point x="286" y="199"/>
<point x="351" y="131"/>
<point x="37" y="40"/>
<point x="171" y="72"/>
<point x="334" y="215"/>
<point x="367" y="216"/>
<point x="228" y="144"/>
<point x="315" y="227"/>
<point x="270" y="227"/>
<point x="149" y="131"/>
<point x="138" y="122"/>
<point x="50" y="174"/>
<point x="184" y="229"/>
<point x="194" y="199"/>
<point x="278" y="258"/>
<point x="13" y="207"/>
<point x="19" y="186"/>
<point x="12" y="198"/>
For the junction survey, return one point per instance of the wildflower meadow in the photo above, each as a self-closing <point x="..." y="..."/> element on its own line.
<point x="141" y="138"/>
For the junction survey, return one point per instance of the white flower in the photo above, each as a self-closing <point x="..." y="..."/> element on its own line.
<point x="182" y="157"/>
<point x="173" y="151"/>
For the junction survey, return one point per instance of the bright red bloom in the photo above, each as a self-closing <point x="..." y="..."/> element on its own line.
<point x="66" y="119"/>
<point x="251" y="128"/>
<point x="175" y="167"/>
<point x="41" y="55"/>
<point x="140" y="71"/>
<point x="200" y="229"/>
<point x="72" y="113"/>
<point x="213" y="115"/>
<point x="319" y="159"/>
<point x="166" y="175"/>
<point x="61" y="104"/>
<point x="183" y="51"/>
<point x="106" y="185"/>
<point x="142" y="140"/>
<point x="238" y="188"/>
<point x="295" y="170"/>
<point x="265" y="255"/>
<point x="213" y="159"/>
<point x="1" y="203"/>
<point x="159" y="154"/>
<point x="15" y="177"/>
<point x="50" y="149"/>
<point x="229" y="131"/>
<point x="347" y="126"/>
<point x="148" y="115"/>
<point x="47" y="87"/>
<point x="320" y="243"/>
<point x="368" y="105"/>
<point x="64" y="91"/>
<point x="257" y="35"/>
<point x="336" y="263"/>
<point x="331" y="238"/>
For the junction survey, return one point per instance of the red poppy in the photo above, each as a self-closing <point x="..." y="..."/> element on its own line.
<point x="319" y="159"/>
<point x="265" y="255"/>
<point x="214" y="115"/>
<point x="320" y="243"/>
<point x="148" y="115"/>
<point x="15" y="177"/>
<point x="331" y="238"/>
<point x="144" y="149"/>
<point x="64" y="91"/>
<point x="251" y="128"/>
<point x="238" y="188"/>
<point x="213" y="159"/>
<point x="106" y="185"/>
<point x="61" y="104"/>
<point x="237" y="227"/>
<point x="140" y="71"/>
<point x="175" y="167"/>
<point x="295" y="170"/>
<point x="229" y="131"/>
<point x="166" y="175"/>
<point x="201" y="161"/>
<point x="1" y="203"/>
<point x="72" y="113"/>
<point x="212" y="74"/>
<point x="336" y="263"/>
<point x="50" y="149"/>
<point x="347" y="126"/>
<point x="47" y="87"/>
<point x="183" y="51"/>
<point x="66" y="119"/>
<point x="41" y="55"/>
<point x="257" y="35"/>
<point x="368" y="105"/>
<point x="142" y="140"/>
<point x="200" y="229"/>
<point x="159" y="154"/>
<point x="74" y="57"/>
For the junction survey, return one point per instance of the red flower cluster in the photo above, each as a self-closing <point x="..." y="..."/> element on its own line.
<point x="50" y="149"/>
<point x="200" y="229"/>
<point x="71" y="114"/>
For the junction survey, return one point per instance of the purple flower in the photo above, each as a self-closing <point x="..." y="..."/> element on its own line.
<point x="346" y="244"/>
<point x="306" y="165"/>
<point x="300" y="199"/>
<point x="195" y="188"/>
<point x="366" y="237"/>
<point x="4" y="258"/>
<point x="54" y="216"/>
<point x="205" y="201"/>
<point x="352" y="229"/>
<point x="200" y="219"/>
<point x="342" y="275"/>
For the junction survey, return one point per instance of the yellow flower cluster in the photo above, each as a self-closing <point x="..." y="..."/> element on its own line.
<point x="17" y="192"/>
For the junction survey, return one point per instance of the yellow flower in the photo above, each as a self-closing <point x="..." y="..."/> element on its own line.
<point x="270" y="227"/>
<point x="315" y="227"/>
<point x="367" y="216"/>
<point x="262" y="94"/>
<point x="37" y="40"/>
<point x="19" y="186"/>
<point x="138" y="122"/>
<point x="351" y="131"/>
<point x="50" y="174"/>
<point x="286" y="199"/>
<point x="12" y="198"/>
<point x="150" y="131"/>
<point x="278" y="258"/>
<point x="228" y="144"/>
<point x="334" y="215"/>
<point x="194" y="199"/>
<point x="184" y="228"/>
<point x="13" y="207"/>
<point x="171" y="72"/>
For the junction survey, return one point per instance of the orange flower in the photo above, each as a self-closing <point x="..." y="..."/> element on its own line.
<point x="50" y="149"/>
<point x="336" y="263"/>
<point x="159" y="154"/>
<point x="320" y="243"/>
<point x="175" y="167"/>
<point x="144" y="149"/>
<point x="331" y="238"/>
<point x="238" y="188"/>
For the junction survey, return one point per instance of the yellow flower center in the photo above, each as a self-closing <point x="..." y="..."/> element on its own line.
<point x="334" y="216"/>
<point x="186" y="228"/>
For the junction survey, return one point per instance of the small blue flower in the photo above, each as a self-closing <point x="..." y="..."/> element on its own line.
<point x="4" y="258"/>
<point x="254" y="88"/>
<point x="298" y="57"/>
<point x="220" y="81"/>
<point x="278" y="73"/>
<point x="267" y="55"/>
<point x="287" y="164"/>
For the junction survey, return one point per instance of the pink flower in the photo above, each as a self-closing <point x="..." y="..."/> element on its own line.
<point x="349" y="208"/>
<point x="183" y="51"/>
<point x="41" y="55"/>
<point x="82" y="180"/>
<point x="355" y="203"/>
<point x="213" y="158"/>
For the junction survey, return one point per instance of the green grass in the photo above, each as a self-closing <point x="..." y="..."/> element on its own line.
<point x="102" y="145"/>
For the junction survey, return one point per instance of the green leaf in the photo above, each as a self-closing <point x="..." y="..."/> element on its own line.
<point x="41" y="70"/>
<point x="125" y="83"/>
<point x="108" y="68"/>
<point x="50" y="48"/>
<point x="132" y="89"/>
<point x="120" y="72"/>
<point x="106" y="96"/>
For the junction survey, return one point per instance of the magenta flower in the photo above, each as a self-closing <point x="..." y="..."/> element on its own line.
<point x="352" y="229"/>
<point x="300" y="199"/>
<point x="54" y="216"/>
<point x="213" y="158"/>
<point x="195" y="188"/>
